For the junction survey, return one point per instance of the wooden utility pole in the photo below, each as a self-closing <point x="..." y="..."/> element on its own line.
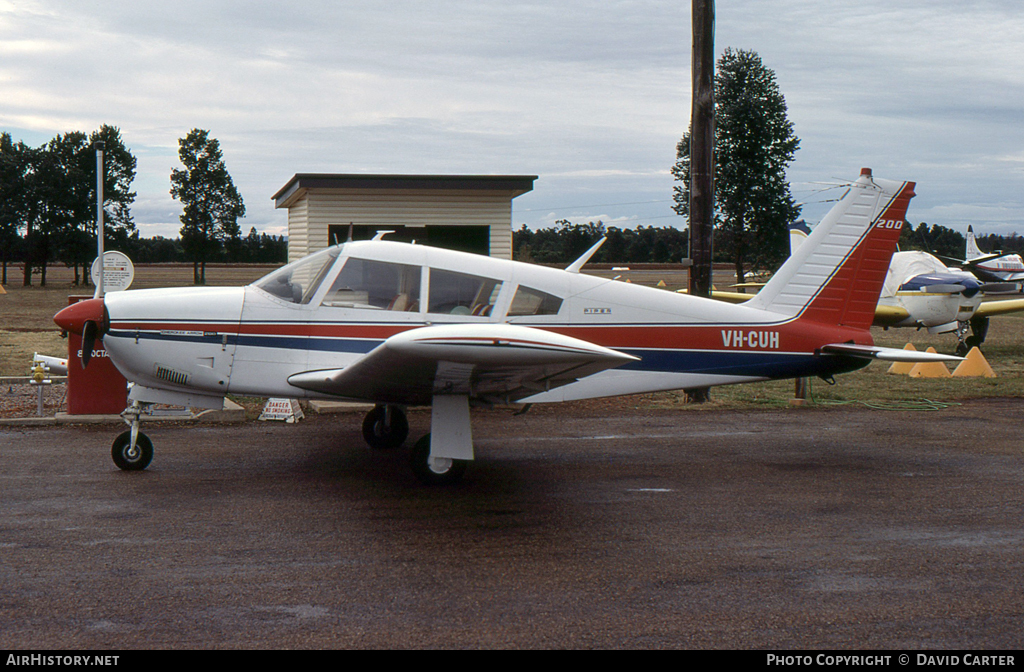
<point x="702" y="158"/>
<point x="702" y="143"/>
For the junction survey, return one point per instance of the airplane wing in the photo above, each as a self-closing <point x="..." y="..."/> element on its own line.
<point x="889" y="315"/>
<point x="990" y="308"/>
<point x="885" y="316"/>
<point x="886" y="354"/>
<point x="731" y="297"/>
<point x="495" y="362"/>
<point x="721" y="295"/>
<point x="983" y="258"/>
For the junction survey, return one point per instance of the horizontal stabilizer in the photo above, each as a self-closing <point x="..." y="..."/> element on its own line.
<point x="886" y="354"/>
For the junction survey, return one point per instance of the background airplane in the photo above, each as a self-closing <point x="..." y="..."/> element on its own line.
<point x="921" y="292"/>
<point x="996" y="267"/>
<point x="399" y="325"/>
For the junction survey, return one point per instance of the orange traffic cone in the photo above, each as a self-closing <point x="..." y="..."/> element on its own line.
<point x="903" y="368"/>
<point x="929" y="369"/>
<point x="974" y="365"/>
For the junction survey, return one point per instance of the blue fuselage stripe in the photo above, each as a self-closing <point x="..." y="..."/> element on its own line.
<point x="758" y="364"/>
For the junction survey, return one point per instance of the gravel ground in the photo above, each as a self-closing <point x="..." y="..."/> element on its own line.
<point x="579" y="526"/>
<point x="19" y="400"/>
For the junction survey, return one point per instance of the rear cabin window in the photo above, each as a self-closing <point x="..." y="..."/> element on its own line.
<point x="378" y="285"/>
<point x="462" y="294"/>
<point x="529" y="301"/>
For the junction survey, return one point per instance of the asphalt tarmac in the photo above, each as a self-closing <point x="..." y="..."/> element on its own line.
<point x="578" y="526"/>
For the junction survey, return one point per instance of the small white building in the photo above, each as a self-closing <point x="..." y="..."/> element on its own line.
<point x="472" y="213"/>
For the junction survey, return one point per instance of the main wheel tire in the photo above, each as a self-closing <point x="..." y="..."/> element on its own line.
<point x="443" y="471"/>
<point x="378" y="435"/>
<point x="132" y="460"/>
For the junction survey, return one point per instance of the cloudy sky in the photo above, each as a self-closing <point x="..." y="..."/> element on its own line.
<point x="591" y="97"/>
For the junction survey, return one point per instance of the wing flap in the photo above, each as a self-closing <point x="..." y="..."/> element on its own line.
<point x="498" y="362"/>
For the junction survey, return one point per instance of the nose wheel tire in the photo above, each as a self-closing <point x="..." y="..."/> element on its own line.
<point x="128" y="458"/>
<point x="437" y="471"/>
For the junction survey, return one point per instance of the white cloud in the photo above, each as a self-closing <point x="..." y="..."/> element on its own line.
<point x="590" y="96"/>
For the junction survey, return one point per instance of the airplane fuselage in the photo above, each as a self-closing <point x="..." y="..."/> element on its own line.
<point x="1009" y="268"/>
<point x="207" y="342"/>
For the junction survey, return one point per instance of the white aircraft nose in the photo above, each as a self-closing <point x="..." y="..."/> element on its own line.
<point x="179" y="339"/>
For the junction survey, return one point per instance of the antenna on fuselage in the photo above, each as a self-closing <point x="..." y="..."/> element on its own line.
<point x="380" y="235"/>
<point x="575" y="266"/>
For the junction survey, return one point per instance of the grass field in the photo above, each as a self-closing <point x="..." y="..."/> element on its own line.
<point x="26" y="326"/>
<point x="26" y="313"/>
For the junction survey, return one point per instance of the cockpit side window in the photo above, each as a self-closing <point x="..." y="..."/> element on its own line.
<point x="454" y="293"/>
<point x="529" y="301"/>
<point x="298" y="281"/>
<point x="378" y="285"/>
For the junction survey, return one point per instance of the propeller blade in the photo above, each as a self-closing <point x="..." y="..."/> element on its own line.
<point x="944" y="289"/>
<point x="999" y="287"/>
<point x="88" y="341"/>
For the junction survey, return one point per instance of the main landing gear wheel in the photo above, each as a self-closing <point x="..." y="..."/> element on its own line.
<point x="439" y="471"/>
<point x="979" y="329"/>
<point x="385" y="427"/>
<point x="129" y="459"/>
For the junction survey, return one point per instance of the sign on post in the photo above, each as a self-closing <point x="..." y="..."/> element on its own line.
<point x="118" y="271"/>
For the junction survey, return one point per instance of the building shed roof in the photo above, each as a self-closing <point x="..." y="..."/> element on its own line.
<point x="515" y="185"/>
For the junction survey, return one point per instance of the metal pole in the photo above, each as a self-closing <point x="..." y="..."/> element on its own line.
<point x="99" y="215"/>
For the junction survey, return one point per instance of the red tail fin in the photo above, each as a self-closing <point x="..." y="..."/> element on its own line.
<point x="850" y="296"/>
<point x="836" y="276"/>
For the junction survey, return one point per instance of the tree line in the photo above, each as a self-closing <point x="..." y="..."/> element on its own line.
<point x="566" y="241"/>
<point x="48" y="207"/>
<point x="950" y="244"/>
<point x="48" y="197"/>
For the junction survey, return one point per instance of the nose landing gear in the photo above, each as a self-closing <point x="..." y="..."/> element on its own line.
<point x="979" y="329"/>
<point x="132" y="450"/>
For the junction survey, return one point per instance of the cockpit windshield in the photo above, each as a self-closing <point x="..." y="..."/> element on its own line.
<point x="298" y="281"/>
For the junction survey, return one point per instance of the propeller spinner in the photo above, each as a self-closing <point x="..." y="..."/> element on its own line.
<point x="88" y="319"/>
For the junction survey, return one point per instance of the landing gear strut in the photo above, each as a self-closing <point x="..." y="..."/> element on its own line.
<point x="979" y="329"/>
<point x="132" y="450"/>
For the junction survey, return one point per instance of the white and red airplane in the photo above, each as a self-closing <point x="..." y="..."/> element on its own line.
<point x="922" y="292"/>
<point x="994" y="266"/>
<point x="398" y="325"/>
